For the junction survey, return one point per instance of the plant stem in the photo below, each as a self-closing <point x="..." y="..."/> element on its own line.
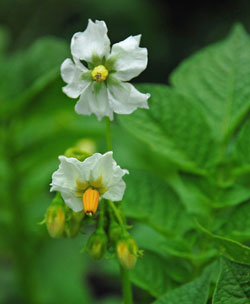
<point x="108" y="134"/>
<point x="118" y="216"/>
<point x="101" y="220"/>
<point x="126" y="286"/>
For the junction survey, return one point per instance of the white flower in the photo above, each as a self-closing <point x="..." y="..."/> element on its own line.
<point x="98" y="74"/>
<point x="82" y="184"/>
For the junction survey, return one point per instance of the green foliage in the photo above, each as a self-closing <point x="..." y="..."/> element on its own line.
<point x="155" y="204"/>
<point x="230" y="248"/>
<point x="196" y="292"/>
<point x="233" y="285"/>
<point x="174" y="127"/>
<point x="197" y="136"/>
<point x="216" y="79"/>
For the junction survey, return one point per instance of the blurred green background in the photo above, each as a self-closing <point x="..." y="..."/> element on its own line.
<point x="38" y="123"/>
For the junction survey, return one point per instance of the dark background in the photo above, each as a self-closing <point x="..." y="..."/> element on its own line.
<point x="171" y="30"/>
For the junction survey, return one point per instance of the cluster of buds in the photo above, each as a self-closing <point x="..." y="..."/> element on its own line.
<point x="60" y="220"/>
<point x="110" y="236"/>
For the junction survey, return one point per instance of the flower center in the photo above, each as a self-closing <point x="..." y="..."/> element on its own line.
<point x="90" y="199"/>
<point x="99" y="73"/>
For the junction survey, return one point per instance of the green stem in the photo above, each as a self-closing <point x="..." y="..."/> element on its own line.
<point x="118" y="216"/>
<point x="108" y="134"/>
<point x="101" y="220"/>
<point x="126" y="286"/>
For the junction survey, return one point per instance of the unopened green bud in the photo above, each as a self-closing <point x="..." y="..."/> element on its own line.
<point x="127" y="252"/>
<point x="77" y="153"/>
<point x="87" y="145"/>
<point x="114" y="231"/>
<point x="73" y="225"/>
<point x="97" y="244"/>
<point x="55" y="220"/>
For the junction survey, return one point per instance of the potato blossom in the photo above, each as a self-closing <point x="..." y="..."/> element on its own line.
<point x="99" y="74"/>
<point x="82" y="184"/>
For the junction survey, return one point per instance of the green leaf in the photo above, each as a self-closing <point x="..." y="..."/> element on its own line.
<point x="152" y="274"/>
<point x="150" y="200"/>
<point x="173" y="127"/>
<point x="242" y="145"/>
<point x="217" y="79"/>
<point x="239" y="225"/>
<point x="25" y="74"/>
<point x="231" y="249"/>
<point x="195" y="292"/>
<point x="233" y="285"/>
<point x="211" y="193"/>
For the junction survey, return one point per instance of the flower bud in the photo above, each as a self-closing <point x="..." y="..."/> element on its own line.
<point x="114" y="231"/>
<point x="127" y="252"/>
<point x="73" y="225"/>
<point x="87" y="145"/>
<point x="77" y="153"/>
<point x="55" y="220"/>
<point x="97" y="244"/>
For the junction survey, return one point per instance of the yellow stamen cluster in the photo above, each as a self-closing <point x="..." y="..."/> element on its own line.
<point x="99" y="73"/>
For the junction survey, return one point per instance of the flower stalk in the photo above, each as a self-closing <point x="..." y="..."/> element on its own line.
<point x="124" y="273"/>
<point x="108" y="134"/>
<point x="126" y="286"/>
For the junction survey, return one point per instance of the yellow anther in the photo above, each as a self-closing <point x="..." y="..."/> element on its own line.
<point x="99" y="73"/>
<point x="90" y="199"/>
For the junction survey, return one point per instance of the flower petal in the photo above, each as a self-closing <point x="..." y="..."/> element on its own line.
<point x="115" y="192"/>
<point x="129" y="59"/>
<point x="75" y="203"/>
<point x="107" y="168"/>
<point x="92" y="42"/>
<point x="71" y="74"/>
<point x="118" y="173"/>
<point x="87" y="166"/>
<point x="124" y="98"/>
<point x="103" y="168"/>
<point x="94" y="99"/>
<point x="64" y="178"/>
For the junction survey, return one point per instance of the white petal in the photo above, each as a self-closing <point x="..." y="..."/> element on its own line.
<point x="94" y="101"/>
<point x="124" y="98"/>
<point x="115" y="192"/>
<point x="67" y="70"/>
<point x="75" y="203"/>
<point x="86" y="167"/>
<point x="118" y="173"/>
<point x="129" y="59"/>
<point x="93" y="41"/>
<point x="72" y="74"/>
<point x="104" y="168"/>
<point x="64" y="178"/>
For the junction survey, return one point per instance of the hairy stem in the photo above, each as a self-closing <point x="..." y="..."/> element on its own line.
<point x="108" y="135"/>
<point x="126" y="286"/>
<point x="118" y="216"/>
